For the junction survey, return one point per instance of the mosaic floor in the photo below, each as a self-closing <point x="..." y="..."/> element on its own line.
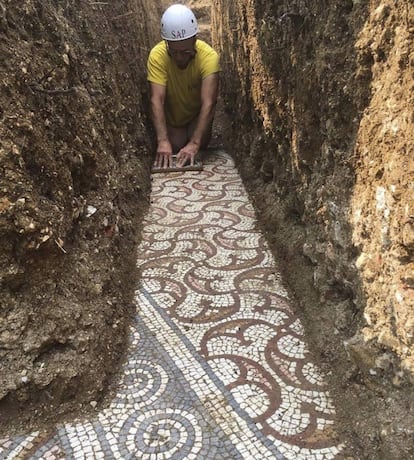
<point x="217" y="367"/>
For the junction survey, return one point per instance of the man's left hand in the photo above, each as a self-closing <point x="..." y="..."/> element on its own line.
<point x="187" y="154"/>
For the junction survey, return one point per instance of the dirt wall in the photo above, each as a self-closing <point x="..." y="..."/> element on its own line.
<point x="74" y="184"/>
<point x="382" y="204"/>
<point x="319" y="101"/>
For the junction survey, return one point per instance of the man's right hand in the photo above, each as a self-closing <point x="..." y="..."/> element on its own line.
<point x="164" y="158"/>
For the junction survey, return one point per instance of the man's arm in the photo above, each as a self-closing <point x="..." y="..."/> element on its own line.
<point x="164" y="149"/>
<point x="209" y="94"/>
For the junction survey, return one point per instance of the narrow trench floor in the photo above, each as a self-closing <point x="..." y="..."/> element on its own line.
<point x="217" y="366"/>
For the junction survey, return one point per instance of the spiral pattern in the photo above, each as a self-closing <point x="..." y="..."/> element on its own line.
<point x="143" y="381"/>
<point x="168" y="433"/>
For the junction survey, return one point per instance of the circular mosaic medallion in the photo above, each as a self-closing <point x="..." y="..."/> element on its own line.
<point x="144" y="382"/>
<point x="173" y="433"/>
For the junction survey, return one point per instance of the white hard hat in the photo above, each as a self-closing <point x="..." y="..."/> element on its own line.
<point x="178" y="23"/>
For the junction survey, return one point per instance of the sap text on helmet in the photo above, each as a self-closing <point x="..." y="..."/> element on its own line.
<point x="178" y="23"/>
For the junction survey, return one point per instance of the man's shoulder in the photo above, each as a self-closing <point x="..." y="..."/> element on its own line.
<point x="157" y="64"/>
<point x="159" y="51"/>
<point x="204" y="47"/>
<point x="207" y="58"/>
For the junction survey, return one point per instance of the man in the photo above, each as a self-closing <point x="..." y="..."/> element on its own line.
<point x="183" y="72"/>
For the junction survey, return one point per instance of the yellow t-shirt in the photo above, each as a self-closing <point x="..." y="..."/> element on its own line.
<point x="183" y="101"/>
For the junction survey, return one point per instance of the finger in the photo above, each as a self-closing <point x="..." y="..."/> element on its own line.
<point x="181" y="161"/>
<point x="178" y="159"/>
<point x="159" y="160"/>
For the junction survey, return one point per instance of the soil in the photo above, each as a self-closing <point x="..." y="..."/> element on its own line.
<point x="316" y="108"/>
<point x="321" y="126"/>
<point x="74" y="159"/>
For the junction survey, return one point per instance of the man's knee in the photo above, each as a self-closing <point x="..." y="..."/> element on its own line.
<point x="178" y="138"/>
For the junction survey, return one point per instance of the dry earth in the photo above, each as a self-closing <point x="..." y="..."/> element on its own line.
<point x="74" y="181"/>
<point x="321" y="106"/>
<point x="317" y="111"/>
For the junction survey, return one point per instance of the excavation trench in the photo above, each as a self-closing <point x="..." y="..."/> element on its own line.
<point x="316" y="109"/>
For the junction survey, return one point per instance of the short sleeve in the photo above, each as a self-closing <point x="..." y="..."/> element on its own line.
<point x="156" y="68"/>
<point x="210" y="64"/>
